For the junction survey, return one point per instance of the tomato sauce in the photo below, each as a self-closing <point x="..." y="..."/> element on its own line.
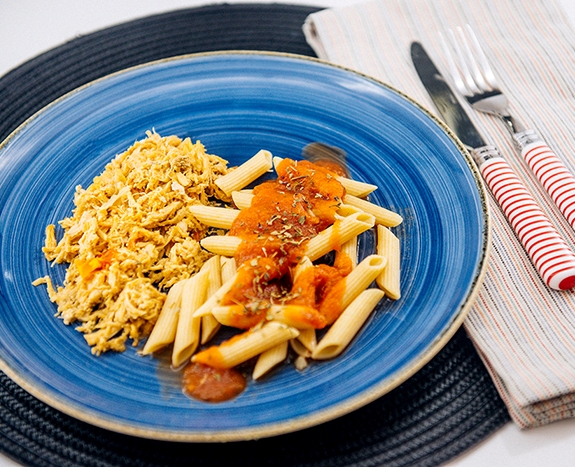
<point x="284" y="214"/>
<point x="318" y="288"/>
<point x="210" y="384"/>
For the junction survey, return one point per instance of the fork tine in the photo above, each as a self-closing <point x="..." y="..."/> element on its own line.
<point x="462" y="64"/>
<point x="453" y="70"/>
<point x="484" y="63"/>
<point x="469" y="58"/>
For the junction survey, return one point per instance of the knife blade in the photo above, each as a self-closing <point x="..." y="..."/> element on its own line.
<point x="552" y="258"/>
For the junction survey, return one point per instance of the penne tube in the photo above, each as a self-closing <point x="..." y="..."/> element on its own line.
<point x="245" y="346"/>
<point x="210" y="325"/>
<point x="243" y="198"/>
<point x="300" y="267"/>
<point x="276" y="161"/>
<point x="308" y="339"/>
<point x="235" y="316"/>
<point x="389" y="279"/>
<point x="269" y="359"/>
<point x="214" y="300"/>
<point x="213" y="268"/>
<point x="228" y="269"/>
<point x="350" y="249"/>
<point x="246" y="173"/>
<point x="213" y="216"/>
<point x="382" y="216"/>
<point x="359" y="279"/>
<point x="301" y="363"/>
<point x="188" y="331"/>
<point x="224" y="245"/>
<point x="355" y="187"/>
<point x="164" y="331"/>
<point x="347" y="210"/>
<point x="298" y="316"/>
<point x="299" y="348"/>
<point x="346" y="327"/>
<point x="352" y="187"/>
<point x="341" y="231"/>
<point x="226" y="314"/>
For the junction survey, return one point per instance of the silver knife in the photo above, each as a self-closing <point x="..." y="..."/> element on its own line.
<point x="553" y="260"/>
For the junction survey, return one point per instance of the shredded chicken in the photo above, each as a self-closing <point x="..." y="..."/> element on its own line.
<point x="131" y="237"/>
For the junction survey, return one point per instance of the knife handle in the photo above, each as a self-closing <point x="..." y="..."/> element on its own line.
<point x="554" y="261"/>
<point x="550" y="171"/>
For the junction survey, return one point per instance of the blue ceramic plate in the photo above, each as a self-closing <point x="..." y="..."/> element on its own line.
<point x="236" y="104"/>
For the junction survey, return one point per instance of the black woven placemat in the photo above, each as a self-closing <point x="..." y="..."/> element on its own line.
<point x="447" y="407"/>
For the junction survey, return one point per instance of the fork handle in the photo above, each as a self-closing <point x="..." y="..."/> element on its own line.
<point x="550" y="255"/>
<point x="550" y="171"/>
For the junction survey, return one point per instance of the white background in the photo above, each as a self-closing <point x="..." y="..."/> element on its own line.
<point x="30" y="27"/>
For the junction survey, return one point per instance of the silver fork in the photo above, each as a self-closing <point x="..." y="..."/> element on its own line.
<point x="474" y="78"/>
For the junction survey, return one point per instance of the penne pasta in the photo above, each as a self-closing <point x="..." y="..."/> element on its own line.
<point x="352" y="187"/>
<point x="212" y="268"/>
<point x="341" y="231"/>
<point x="382" y="216"/>
<point x="246" y="173"/>
<point x="243" y="198"/>
<point x="213" y="301"/>
<point x="228" y="268"/>
<point x="221" y="218"/>
<point x="345" y="328"/>
<point x="355" y="187"/>
<point x="298" y="316"/>
<point x="301" y="363"/>
<point x="359" y="279"/>
<point x="210" y="325"/>
<point x="188" y="331"/>
<point x="245" y="346"/>
<point x="269" y="359"/>
<point x="350" y="249"/>
<point x="308" y="339"/>
<point x="164" y="331"/>
<point x="389" y="279"/>
<point x="235" y="316"/>
<point x="276" y="161"/>
<point x="347" y="210"/>
<point x="301" y="266"/>
<point x="224" y="245"/>
<point x="299" y="348"/>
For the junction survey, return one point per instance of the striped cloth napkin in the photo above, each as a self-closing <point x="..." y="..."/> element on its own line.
<point x="524" y="332"/>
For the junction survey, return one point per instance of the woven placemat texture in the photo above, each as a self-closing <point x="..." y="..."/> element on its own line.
<point x="447" y="407"/>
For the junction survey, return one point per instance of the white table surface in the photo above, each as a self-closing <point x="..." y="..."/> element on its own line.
<point x="31" y="27"/>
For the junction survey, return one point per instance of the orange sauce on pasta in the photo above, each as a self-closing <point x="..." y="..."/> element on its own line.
<point x="317" y="287"/>
<point x="212" y="356"/>
<point x="284" y="214"/>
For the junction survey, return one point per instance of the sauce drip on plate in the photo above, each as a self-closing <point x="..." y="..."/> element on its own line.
<point x="212" y="384"/>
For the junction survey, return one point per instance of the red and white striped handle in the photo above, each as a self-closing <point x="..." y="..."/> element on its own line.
<point x="554" y="261"/>
<point x="550" y="171"/>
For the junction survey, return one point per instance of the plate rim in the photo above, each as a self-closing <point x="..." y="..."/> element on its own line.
<point x="295" y="424"/>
